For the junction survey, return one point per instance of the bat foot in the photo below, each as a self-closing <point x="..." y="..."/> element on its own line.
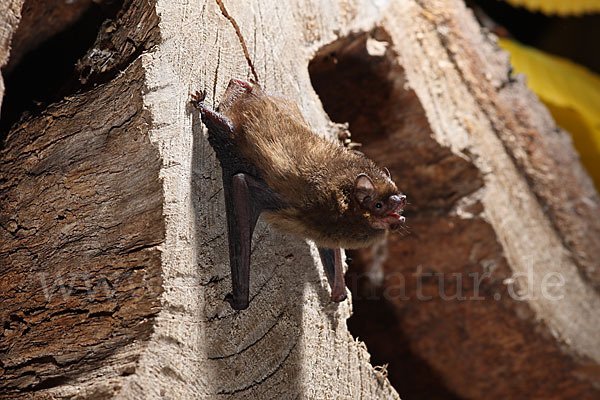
<point x="210" y="117"/>
<point x="197" y="98"/>
<point x="236" y="304"/>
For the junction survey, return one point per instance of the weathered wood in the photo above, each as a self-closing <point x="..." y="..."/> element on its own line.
<point x="132" y="248"/>
<point x="81" y="216"/>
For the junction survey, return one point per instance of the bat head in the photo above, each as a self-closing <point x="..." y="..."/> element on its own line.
<point x="381" y="200"/>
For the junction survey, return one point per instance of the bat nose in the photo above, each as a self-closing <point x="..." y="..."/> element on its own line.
<point x="397" y="200"/>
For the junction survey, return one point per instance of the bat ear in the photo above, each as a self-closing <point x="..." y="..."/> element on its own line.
<point x="363" y="187"/>
<point x="387" y="172"/>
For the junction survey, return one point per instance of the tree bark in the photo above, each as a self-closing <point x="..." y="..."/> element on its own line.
<point x="113" y="237"/>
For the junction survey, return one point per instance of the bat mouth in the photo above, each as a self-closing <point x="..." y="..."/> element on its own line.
<point x="392" y="220"/>
<point x="397" y="217"/>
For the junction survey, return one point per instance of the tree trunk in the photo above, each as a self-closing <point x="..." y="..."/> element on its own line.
<point x="113" y="237"/>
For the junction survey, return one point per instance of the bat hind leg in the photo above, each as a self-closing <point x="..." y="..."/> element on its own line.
<point x="332" y="263"/>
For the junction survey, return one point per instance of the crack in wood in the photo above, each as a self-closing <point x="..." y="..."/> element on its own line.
<point x="262" y="380"/>
<point x="277" y="320"/>
<point x="141" y="247"/>
<point x="216" y="71"/>
<point x="261" y="287"/>
<point x="212" y="280"/>
<point x="240" y="37"/>
<point x="46" y="359"/>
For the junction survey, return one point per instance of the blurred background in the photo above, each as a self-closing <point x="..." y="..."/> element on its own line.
<point x="556" y="44"/>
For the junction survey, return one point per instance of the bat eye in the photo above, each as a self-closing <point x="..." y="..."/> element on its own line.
<point x="378" y="205"/>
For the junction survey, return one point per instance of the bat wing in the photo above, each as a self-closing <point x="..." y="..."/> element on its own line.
<point x="246" y="196"/>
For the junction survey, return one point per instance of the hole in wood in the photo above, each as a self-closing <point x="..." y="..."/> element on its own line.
<point x="51" y="37"/>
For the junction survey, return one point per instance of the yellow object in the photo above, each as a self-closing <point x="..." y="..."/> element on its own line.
<point x="559" y="7"/>
<point x="571" y="93"/>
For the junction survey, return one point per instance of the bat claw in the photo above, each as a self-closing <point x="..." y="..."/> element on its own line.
<point x="244" y="84"/>
<point x="209" y="117"/>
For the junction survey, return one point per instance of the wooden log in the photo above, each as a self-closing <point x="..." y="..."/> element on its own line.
<point x="113" y="228"/>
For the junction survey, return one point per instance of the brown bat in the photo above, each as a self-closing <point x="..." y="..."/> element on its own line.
<point x="273" y="163"/>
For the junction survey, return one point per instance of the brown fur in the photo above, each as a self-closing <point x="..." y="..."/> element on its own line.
<point x="314" y="177"/>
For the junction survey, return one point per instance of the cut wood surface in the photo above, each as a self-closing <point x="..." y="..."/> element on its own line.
<point x="113" y="245"/>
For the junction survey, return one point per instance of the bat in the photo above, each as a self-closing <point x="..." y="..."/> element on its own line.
<point x="274" y="164"/>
